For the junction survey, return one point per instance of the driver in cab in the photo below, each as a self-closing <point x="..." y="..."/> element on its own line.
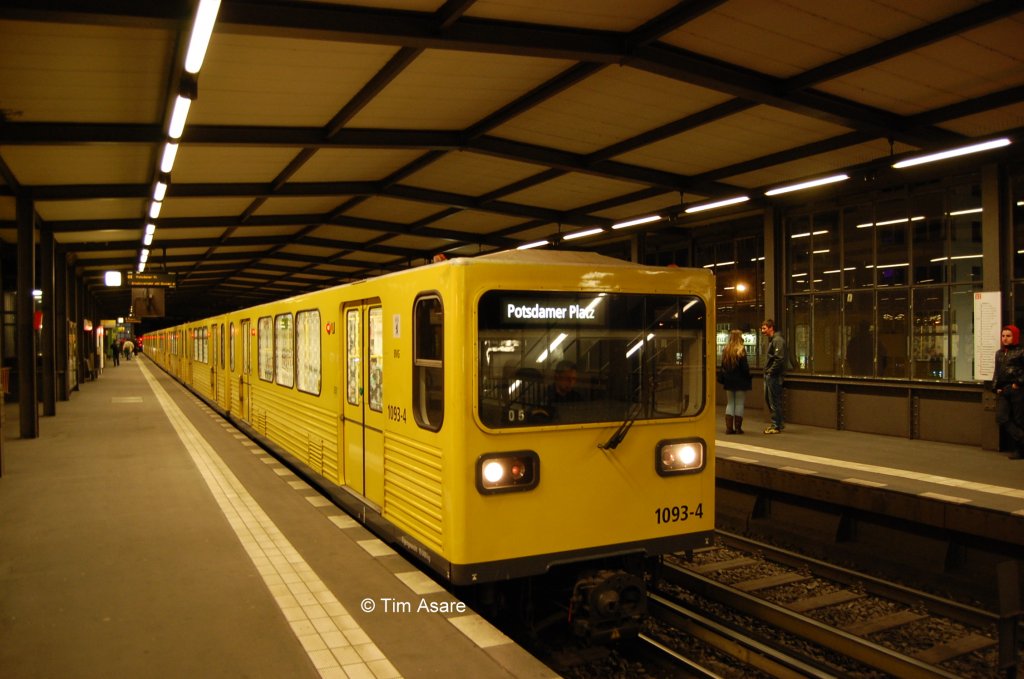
<point x="563" y="389"/>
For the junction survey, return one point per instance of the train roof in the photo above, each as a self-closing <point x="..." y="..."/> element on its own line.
<point x="556" y="257"/>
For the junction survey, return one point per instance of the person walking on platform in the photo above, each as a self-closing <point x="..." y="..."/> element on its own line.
<point x="129" y="349"/>
<point x="735" y="377"/>
<point x="1007" y="382"/>
<point x="774" y="371"/>
<point x="115" y="352"/>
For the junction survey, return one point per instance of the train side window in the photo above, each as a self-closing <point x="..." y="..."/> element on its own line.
<point x="307" y="351"/>
<point x="231" y="346"/>
<point x="265" y="348"/>
<point x="284" y="350"/>
<point x="428" y="362"/>
<point x="200" y="344"/>
<point x="221" y="346"/>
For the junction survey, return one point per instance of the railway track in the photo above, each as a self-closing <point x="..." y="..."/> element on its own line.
<point x="777" y="613"/>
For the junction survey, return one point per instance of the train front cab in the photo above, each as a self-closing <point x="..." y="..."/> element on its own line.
<point x="598" y="480"/>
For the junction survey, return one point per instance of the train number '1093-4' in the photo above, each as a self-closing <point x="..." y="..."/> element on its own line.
<point x="678" y="513"/>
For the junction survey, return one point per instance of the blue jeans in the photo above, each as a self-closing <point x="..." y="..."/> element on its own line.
<point x="734" y="401"/>
<point x="773" y="398"/>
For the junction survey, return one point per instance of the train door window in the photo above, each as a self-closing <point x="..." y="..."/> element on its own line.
<point x="353" y="357"/>
<point x="213" y="332"/>
<point x="246" y="350"/>
<point x="375" y="354"/>
<point x="307" y="351"/>
<point x="231" y="347"/>
<point x="284" y="350"/>
<point x="265" y="348"/>
<point x="428" y="362"/>
<point x="221" y="346"/>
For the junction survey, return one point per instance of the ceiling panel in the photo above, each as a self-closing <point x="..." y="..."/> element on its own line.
<point x="413" y="127"/>
<point x="620" y="102"/>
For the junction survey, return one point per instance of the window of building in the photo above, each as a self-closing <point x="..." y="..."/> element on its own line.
<point x="901" y="304"/>
<point x="735" y="254"/>
<point x="1017" y="253"/>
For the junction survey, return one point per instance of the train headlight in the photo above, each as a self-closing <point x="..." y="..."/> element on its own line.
<point x="680" y="456"/>
<point x="506" y="472"/>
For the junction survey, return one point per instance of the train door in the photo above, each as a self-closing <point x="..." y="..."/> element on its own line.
<point x="224" y="380"/>
<point x="214" y="373"/>
<point x="245" y="374"/>
<point x="363" y="399"/>
<point x="190" y="355"/>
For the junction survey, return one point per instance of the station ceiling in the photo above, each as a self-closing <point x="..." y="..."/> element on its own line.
<point x="330" y="141"/>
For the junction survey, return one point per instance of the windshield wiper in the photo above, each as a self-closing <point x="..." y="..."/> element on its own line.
<point x="613" y="442"/>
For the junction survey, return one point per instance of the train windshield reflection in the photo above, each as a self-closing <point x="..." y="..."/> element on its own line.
<point x="551" y="358"/>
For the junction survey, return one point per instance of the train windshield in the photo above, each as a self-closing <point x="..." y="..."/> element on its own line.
<point x="551" y="358"/>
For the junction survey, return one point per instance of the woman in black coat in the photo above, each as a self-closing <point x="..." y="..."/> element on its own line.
<point x="734" y="375"/>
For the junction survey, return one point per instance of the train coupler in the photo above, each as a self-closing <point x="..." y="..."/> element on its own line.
<point x="608" y="605"/>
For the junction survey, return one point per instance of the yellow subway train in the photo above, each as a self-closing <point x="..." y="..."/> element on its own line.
<point x="498" y="417"/>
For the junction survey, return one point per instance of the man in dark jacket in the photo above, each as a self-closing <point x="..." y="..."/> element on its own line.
<point x="774" y="371"/>
<point x="1007" y="380"/>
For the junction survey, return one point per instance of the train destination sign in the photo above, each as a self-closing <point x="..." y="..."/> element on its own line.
<point x="151" y="280"/>
<point x="553" y="309"/>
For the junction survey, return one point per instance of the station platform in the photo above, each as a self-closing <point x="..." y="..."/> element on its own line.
<point x="964" y="476"/>
<point x="142" y="535"/>
<point x="844" y="494"/>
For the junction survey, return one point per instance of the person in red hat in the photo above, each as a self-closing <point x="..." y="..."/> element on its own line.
<point x="1007" y="382"/>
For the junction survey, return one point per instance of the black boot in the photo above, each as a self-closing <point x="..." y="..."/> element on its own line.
<point x="728" y="424"/>
<point x="737" y="424"/>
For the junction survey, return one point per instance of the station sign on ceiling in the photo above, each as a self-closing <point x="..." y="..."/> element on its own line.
<point x="151" y="280"/>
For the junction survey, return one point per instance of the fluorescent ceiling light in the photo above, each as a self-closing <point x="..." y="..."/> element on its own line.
<point x="144" y="257"/>
<point x="142" y="267"/>
<point x="530" y="246"/>
<point x="154" y="209"/>
<point x="150" y="229"/>
<point x="178" y="116"/>
<point x="112" y="279"/>
<point x="807" y="185"/>
<point x="636" y="347"/>
<point x="972" y="211"/>
<point x="641" y="220"/>
<point x="202" y="29"/>
<point x="890" y="222"/>
<point x="717" y="203"/>
<point x="160" y="191"/>
<point x="147" y="240"/>
<point x="167" y="161"/>
<point x="952" y="153"/>
<point x="581" y="234"/>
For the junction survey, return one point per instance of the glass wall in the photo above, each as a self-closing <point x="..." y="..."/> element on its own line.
<point x="883" y="288"/>
<point x="1016" y="301"/>
<point x="735" y="254"/>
